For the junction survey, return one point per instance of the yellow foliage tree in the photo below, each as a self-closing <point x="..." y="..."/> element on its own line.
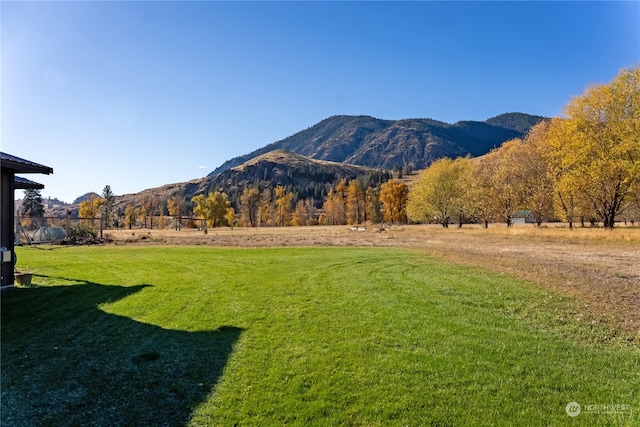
<point x="283" y="205"/>
<point x="597" y="146"/>
<point x="211" y="208"/>
<point x="439" y="192"/>
<point x="175" y="205"/>
<point x="393" y="197"/>
<point x="230" y="217"/>
<point x="537" y="175"/>
<point x="355" y="203"/>
<point x="249" y="206"/>
<point x="90" y="208"/>
<point x="266" y="208"/>
<point x="503" y="180"/>
<point x="145" y="210"/>
<point x="130" y="216"/>
<point x="479" y="192"/>
<point x="303" y="214"/>
<point x="335" y="205"/>
<point x="372" y="205"/>
<point x="569" y="202"/>
<point x="334" y="208"/>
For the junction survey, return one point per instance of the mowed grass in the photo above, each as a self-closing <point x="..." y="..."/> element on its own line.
<point x="205" y="336"/>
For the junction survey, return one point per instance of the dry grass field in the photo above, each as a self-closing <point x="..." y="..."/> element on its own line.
<point x="597" y="267"/>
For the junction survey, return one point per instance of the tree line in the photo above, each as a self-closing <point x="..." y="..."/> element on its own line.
<point x="582" y="167"/>
<point x="347" y="202"/>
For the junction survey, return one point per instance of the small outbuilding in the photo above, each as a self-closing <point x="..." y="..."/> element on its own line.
<point x="49" y="234"/>
<point x="9" y="167"/>
<point x="523" y="217"/>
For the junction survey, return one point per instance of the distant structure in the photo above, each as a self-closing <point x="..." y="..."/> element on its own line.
<point x="9" y="166"/>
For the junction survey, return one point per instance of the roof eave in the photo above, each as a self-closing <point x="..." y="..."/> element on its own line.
<point x="26" y="184"/>
<point x="19" y="165"/>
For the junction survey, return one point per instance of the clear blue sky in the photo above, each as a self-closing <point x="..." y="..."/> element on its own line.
<point x="141" y="94"/>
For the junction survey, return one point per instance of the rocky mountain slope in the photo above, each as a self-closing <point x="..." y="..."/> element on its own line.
<point x="367" y="141"/>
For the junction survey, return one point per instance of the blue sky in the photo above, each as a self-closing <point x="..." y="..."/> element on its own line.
<point x="141" y="94"/>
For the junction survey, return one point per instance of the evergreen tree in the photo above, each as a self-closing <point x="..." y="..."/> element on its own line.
<point x="32" y="206"/>
<point x="108" y="197"/>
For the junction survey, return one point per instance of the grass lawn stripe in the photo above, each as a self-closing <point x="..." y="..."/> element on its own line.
<point x="298" y="336"/>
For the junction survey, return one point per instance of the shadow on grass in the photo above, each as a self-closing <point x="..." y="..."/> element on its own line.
<point x="67" y="362"/>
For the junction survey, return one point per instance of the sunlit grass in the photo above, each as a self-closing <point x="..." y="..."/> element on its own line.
<point x="325" y="336"/>
<point x="558" y="231"/>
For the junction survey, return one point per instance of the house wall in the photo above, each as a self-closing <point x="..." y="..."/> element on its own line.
<point x="6" y="222"/>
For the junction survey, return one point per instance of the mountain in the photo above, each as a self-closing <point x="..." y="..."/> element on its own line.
<point x="84" y="197"/>
<point x="377" y="143"/>
<point x="310" y="162"/>
<point x="519" y="122"/>
<point x="304" y="176"/>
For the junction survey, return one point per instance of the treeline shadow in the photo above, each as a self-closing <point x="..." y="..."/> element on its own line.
<point x="65" y="362"/>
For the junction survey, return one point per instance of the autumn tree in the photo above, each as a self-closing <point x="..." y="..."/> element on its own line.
<point x="145" y="210"/>
<point x="162" y="222"/>
<point x="219" y="206"/>
<point x="478" y="196"/>
<point x="175" y="206"/>
<point x="438" y="193"/>
<point x="503" y="180"/>
<point x="250" y="206"/>
<point x="230" y="217"/>
<point x="266" y="208"/>
<point x="633" y="210"/>
<point x="372" y="205"/>
<point x="152" y="209"/>
<point x="299" y="215"/>
<point x="304" y="213"/>
<point x="90" y="208"/>
<point x="283" y="205"/>
<point x="211" y="208"/>
<point x="597" y="145"/>
<point x="130" y="216"/>
<point x="334" y="208"/>
<point x="393" y="197"/>
<point x="537" y="174"/>
<point x="355" y="203"/>
<point x="335" y="204"/>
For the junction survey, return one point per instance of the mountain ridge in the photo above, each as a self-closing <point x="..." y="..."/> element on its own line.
<point x="304" y="176"/>
<point x="343" y="146"/>
<point x="385" y="144"/>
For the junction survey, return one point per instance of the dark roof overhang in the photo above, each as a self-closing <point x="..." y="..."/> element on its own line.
<point x="18" y="165"/>
<point x="25" y="184"/>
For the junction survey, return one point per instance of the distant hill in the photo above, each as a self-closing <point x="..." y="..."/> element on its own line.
<point x="304" y="176"/>
<point x="311" y="161"/>
<point x="377" y="143"/>
<point x="84" y="197"/>
<point x="519" y="122"/>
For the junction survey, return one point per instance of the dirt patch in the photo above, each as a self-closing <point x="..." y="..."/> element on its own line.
<point x="601" y="268"/>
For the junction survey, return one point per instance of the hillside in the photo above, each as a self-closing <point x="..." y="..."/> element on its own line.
<point x="367" y="141"/>
<point x="304" y="176"/>
<point x="309" y="162"/>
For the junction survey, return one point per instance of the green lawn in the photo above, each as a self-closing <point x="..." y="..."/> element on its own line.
<point x="132" y="336"/>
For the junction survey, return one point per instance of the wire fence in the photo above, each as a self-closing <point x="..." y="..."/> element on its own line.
<point x="30" y="230"/>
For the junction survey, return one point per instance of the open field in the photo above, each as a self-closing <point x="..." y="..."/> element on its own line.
<point x="207" y="336"/>
<point x="598" y="267"/>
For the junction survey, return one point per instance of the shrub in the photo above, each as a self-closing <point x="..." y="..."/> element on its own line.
<point x="81" y="231"/>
